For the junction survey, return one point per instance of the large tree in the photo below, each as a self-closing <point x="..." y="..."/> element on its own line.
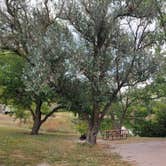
<point x="31" y="31"/>
<point x="115" y="40"/>
<point x="15" y="93"/>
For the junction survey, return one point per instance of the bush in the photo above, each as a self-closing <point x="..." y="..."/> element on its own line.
<point x="20" y="114"/>
<point x="150" y="129"/>
<point x="80" y="126"/>
<point x="156" y="125"/>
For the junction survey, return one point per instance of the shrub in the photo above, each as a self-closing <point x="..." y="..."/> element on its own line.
<point x="150" y="129"/>
<point x="80" y="126"/>
<point x="20" y="114"/>
<point x="156" y="125"/>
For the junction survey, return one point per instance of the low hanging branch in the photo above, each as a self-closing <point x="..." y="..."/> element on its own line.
<point x="52" y="112"/>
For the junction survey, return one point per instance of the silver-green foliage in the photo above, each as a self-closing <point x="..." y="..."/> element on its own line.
<point x="116" y="40"/>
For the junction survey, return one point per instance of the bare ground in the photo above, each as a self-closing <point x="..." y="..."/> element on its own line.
<point x="141" y="153"/>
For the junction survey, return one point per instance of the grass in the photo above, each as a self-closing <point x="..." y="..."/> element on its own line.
<point x="61" y="121"/>
<point x="60" y="148"/>
<point x="18" y="148"/>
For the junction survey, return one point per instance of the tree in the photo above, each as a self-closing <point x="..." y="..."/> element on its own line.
<point x="157" y="89"/>
<point x="135" y="104"/>
<point x="153" y="121"/>
<point x="22" y="24"/>
<point x="161" y="16"/>
<point x="50" y="55"/>
<point x="120" y="111"/>
<point x="14" y="92"/>
<point x="114" y="40"/>
<point x="31" y="31"/>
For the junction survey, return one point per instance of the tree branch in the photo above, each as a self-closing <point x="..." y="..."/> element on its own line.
<point x="50" y="113"/>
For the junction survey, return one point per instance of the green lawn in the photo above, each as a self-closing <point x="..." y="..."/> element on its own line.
<point x="18" y="148"/>
<point x="58" y="147"/>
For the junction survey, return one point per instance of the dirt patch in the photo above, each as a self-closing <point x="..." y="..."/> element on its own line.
<point x="142" y="153"/>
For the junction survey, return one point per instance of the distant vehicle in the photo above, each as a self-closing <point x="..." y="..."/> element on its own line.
<point x="5" y="109"/>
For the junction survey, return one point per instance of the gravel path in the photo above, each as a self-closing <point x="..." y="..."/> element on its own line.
<point x="143" y="154"/>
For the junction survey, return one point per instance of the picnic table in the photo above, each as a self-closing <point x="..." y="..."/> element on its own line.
<point x="115" y="134"/>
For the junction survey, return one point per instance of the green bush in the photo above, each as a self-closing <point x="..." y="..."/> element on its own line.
<point x="151" y="129"/>
<point x="20" y="114"/>
<point x="156" y="125"/>
<point x="81" y="126"/>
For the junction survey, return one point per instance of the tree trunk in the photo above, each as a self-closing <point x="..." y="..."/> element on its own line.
<point x="37" y="122"/>
<point x="92" y="133"/>
<point x="37" y="117"/>
<point x="36" y="127"/>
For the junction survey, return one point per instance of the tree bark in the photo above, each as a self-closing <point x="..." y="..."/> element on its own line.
<point x="36" y="127"/>
<point x="92" y="133"/>
<point x="37" y="117"/>
<point x="37" y="122"/>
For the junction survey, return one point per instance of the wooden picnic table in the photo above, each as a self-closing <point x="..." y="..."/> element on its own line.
<point x="115" y="134"/>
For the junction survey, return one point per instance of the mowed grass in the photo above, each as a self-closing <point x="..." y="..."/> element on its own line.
<point x="18" y="148"/>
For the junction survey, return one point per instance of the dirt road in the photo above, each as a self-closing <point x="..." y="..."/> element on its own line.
<point x="151" y="153"/>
